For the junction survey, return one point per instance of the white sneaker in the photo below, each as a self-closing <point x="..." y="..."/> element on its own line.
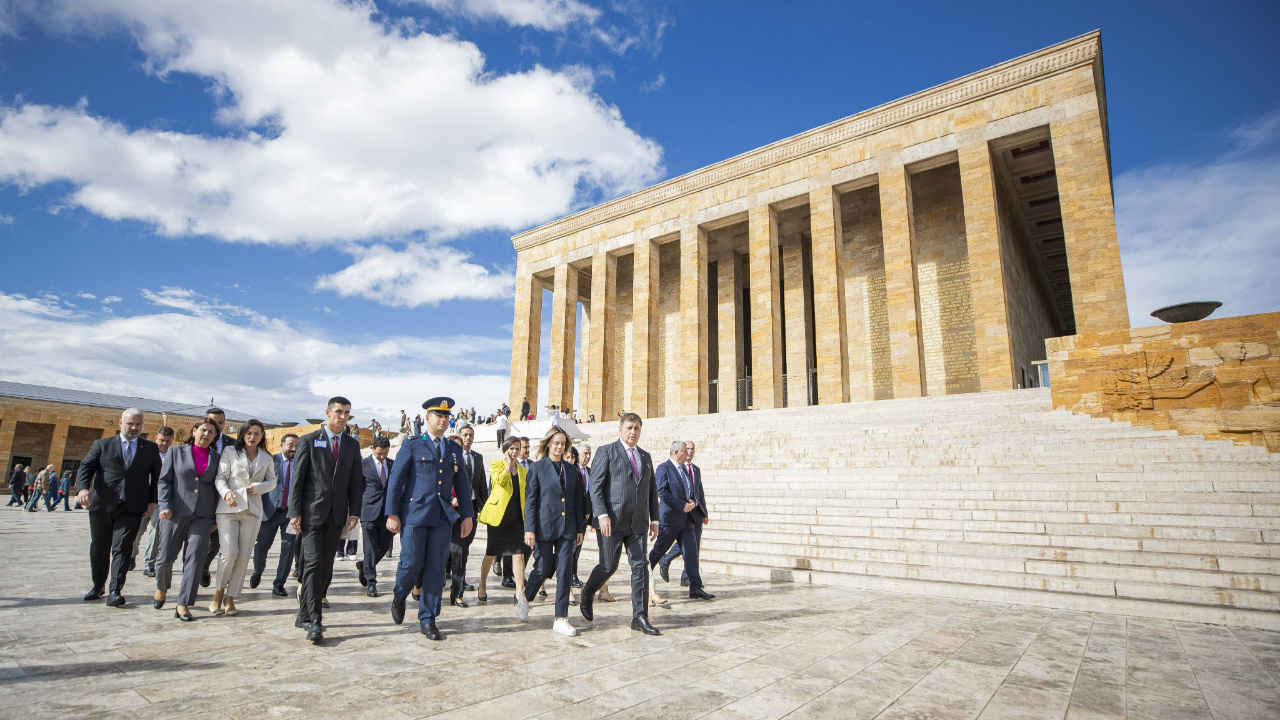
<point x="522" y="607"/>
<point x="563" y="627"/>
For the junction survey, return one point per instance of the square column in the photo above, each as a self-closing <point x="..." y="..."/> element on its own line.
<point x="599" y="357"/>
<point x="986" y="274"/>
<point x="644" y="341"/>
<point x="526" y="339"/>
<point x="766" y="308"/>
<point x="900" y="283"/>
<point x="1089" y="223"/>
<point x="795" y="328"/>
<point x="58" y="447"/>
<point x="829" y="330"/>
<point x="692" y="362"/>
<point x="584" y="366"/>
<point x="729" y="322"/>
<point x="564" y="323"/>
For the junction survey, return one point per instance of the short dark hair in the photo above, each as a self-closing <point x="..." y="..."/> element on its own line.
<point x="381" y="442"/>
<point x="287" y="436"/>
<point x="630" y="417"/>
<point x="164" y="430"/>
<point x="506" y="444"/>
<point x="337" y="400"/>
<point x="191" y="436"/>
<point x="245" y="428"/>
<point x="215" y="411"/>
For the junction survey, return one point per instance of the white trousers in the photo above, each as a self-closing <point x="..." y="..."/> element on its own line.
<point x="237" y="533"/>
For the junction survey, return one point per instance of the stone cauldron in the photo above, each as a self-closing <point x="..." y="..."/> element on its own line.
<point x="1187" y="312"/>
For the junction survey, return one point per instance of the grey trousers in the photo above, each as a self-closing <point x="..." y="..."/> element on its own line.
<point x="173" y="532"/>
<point x="610" y="553"/>
<point x="153" y="546"/>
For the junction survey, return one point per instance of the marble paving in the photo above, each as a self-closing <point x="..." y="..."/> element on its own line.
<point x="760" y="650"/>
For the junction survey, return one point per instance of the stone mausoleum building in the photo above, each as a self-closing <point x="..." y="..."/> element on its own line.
<point x="925" y="247"/>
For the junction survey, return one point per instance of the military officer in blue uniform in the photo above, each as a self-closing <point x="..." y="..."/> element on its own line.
<point x="428" y="473"/>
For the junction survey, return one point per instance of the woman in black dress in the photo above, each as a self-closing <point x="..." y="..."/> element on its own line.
<point x="504" y="514"/>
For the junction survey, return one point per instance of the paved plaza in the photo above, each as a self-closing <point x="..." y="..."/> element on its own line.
<point x="760" y="650"/>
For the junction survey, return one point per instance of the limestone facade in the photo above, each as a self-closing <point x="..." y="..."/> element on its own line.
<point x="928" y="246"/>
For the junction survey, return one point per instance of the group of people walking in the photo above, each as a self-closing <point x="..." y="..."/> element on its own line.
<point x="233" y="493"/>
<point x="26" y="490"/>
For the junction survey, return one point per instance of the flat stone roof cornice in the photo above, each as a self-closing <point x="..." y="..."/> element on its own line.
<point x="1074" y="53"/>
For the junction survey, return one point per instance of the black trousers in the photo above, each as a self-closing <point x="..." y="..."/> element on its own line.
<point x="687" y="534"/>
<point x="271" y="527"/>
<point x="456" y="566"/>
<point x="610" y="554"/>
<point x="111" y="534"/>
<point x="319" y="547"/>
<point x="557" y="554"/>
<point x="377" y="543"/>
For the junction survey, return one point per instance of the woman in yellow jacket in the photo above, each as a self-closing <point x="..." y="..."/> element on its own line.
<point x="504" y="514"/>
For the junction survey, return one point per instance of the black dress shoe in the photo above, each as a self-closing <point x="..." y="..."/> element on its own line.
<point x="324" y="603"/>
<point x="157" y="604"/>
<point x="664" y="569"/>
<point x="184" y="618"/>
<point x="431" y="631"/>
<point x="585" y="607"/>
<point x="360" y="573"/>
<point x="315" y="633"/>
<point x="279" y="592"/>
<point x="700" y="594"/>
<point x="542" y="593"/>
<point x="497" y="569"/>
<point x="133" y="564"/>
<point x="459" y="602"/>
<point x="94" y="594"/>
<point x="576" y="583"/>
<point x="371" y="590"/>
<point x="397" y="612"/>
<point x="416" y="597"/>
<point x="115" y="600"/>
<point x="468" y="587"/>
<point x="684" y="583"/>
<point x="205" y="579"/>
<point x="641" y="623"/>
<point x="508" y="583"/>
<point x="255" y="580"/>
<point x="149" y="573"/>
<point x="300" y="623"/>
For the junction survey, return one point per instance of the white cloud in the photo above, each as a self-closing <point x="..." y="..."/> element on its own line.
<point x="192" y="350"/>
<point x="418" y="275"/>
<point x="341" y="128"/>
<point x="111" y="299"/>
<point x="654" y="85"/>
<point x="540" y="14"/>
<point x="6" y="219"/>
<point x="86" y="296"/>
<point x="1204" y="232"/>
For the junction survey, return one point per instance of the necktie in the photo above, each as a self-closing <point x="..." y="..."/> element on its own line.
<point x="440" y="448"/>
<point x="288" y="474"/>
<point x="688" y="481"/>
<point x="334" y="442"/>
<point x="631" y="455"/>
<point x="469" y="469"/>
<point x="382" y="472"/>
<point x="128" y="453"/>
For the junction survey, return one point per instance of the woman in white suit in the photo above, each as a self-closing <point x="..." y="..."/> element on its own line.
<point x="245" y="473"/>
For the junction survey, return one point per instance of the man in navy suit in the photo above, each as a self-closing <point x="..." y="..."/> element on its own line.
<point x="118" y="482"/>
<point x="676" y="522"/>
<point x="699" y="515"/>
<point x="275" y="517"/>
<point x="428" y="473"/>
<point x="373" y="516"/>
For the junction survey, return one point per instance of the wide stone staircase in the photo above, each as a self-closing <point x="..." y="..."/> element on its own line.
<point x="992" y="496"/>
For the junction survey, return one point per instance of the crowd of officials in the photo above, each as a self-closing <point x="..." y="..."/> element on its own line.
<point x="228" y="499"/>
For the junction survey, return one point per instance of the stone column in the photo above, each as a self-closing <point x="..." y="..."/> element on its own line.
<point x="585" y="388"/>
<point x="7" y="427"/>
<point x="644" y="341"/>
<point x="830" y="337"/>
<point x="986" y="273"/>
<point x="599" y="355"/>
<point x="1088" y="223"/>
<point x="564" y="323"/>
<point x="692" y="370"/>
<point x="58" y="446"/>
<point x="795" y="335"/>
<point x="526" y="339"/>
<point x="766" y="308"/>
<point x="900" y="282"/>
<point x="729" y="320"/>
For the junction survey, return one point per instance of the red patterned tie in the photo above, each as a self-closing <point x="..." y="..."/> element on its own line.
<point x="337" y="440"/>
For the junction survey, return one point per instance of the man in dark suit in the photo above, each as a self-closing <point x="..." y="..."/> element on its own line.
<point x="275" y="516"/>
<point x="624" y="501"/>
<point x="117" y="482"/>
<point x="324" y="499"/>
<point x="676" y="491"/>
<point x="459" y="544"/>
<point x="426" y="476"/>
<point x="524" y="409"/>
<point x="17" y="481"/>
<point x="373" y="517"/>
<point x="699" y="515"/>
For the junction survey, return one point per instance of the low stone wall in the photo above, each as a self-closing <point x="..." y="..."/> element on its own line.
<point x="1216" y="378"/>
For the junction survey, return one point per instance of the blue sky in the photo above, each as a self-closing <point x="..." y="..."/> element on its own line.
<point x="269" y="205"/>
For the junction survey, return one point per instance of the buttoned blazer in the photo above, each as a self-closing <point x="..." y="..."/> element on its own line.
<point x="479" y="482"/>
<point x="321" y="490"/>
<point x="423" y="484"/>
<point x="109" y="483"/>
<point x="373" y="507"/>
<point x="184" y="492"/>
<point x="553" y="505"/>
<point x="699" y="495"/>
<point x="615" y="494"/>
<point x="236" y="474"/>
<point x="672" y="493"/>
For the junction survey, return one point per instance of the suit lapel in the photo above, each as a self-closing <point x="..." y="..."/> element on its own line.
<point x="326" y="463"/>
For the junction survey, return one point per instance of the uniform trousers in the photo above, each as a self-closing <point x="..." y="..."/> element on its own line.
<point x="377" y="543"/>
<point x="423" y="551"/>
<point x="549" y="554"/>
<point x="678" y="547"/>
<point x="111" y="534"/>
<point x="687" y="535"/>
<point x="237" y="533"/>
<point x="194" y="531"/>
<point x="610" y="554"/>
<point x="272" y="526"/>
<point x="319" y="545"/>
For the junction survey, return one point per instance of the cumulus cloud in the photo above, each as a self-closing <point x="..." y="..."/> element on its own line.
<point x="1205" y="232"/>
<point x="195" y="347"/>
<point x="340" y="128"/>
<point x="540" y="14"/>
<point x="418" y="275"/>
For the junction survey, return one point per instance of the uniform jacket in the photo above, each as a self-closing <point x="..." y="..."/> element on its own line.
<point x="109" y="483"/>
<point x="500" y="490"/>
<point x="373" y="507"/>
<point x="182" y="491"/>
<point x="629" y="505"/>
<point x="553" y="506"/>
<point x="321" y="490"/>
<point x="236" y="473"/>
<point x="423" y="484"/>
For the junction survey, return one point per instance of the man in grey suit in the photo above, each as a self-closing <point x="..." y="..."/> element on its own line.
<point x="275" y="516"/>
<point x="624" y="502"/>
<point x="373" y="517"/>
